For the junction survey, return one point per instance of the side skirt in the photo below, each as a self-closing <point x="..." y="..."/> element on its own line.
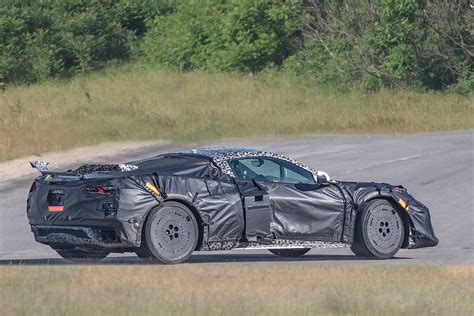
<point x="274" y="244"/>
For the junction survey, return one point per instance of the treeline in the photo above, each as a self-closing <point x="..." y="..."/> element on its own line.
<point x="366" y="44"/>
<point x="41" y="39"/>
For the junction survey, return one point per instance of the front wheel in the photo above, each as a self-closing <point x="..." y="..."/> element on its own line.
<point x="379" y="231"/>
<point x="289" y="252"/>
<point x="171" y="233"/>
<point x="75" y="255"/>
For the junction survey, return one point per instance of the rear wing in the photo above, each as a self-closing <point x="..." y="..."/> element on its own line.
<point x="43" y="167"/>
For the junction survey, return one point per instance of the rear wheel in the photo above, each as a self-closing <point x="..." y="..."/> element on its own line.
<point x="143" y="252"/>
<point x="379" y="230"/>
<point x="288" y="252"/>
<point x="171" y="233"/>
<point x="76" y="255"/>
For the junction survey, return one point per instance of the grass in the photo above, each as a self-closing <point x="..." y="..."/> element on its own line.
<point x="149" y="104"/>
<point x="243" y="290"/>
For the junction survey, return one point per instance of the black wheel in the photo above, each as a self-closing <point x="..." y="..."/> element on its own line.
<point x="289" y="252"/>
<point x="379" y="230"/>
<point x="76" y="255"/>
<point x="171" y="233"/>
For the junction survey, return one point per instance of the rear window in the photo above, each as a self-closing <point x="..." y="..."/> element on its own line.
<point x="181" y="165"/>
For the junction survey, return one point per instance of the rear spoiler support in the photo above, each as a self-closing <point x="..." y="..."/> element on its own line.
<point x="41" y="166"/>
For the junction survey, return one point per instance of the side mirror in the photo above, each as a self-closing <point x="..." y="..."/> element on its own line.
<point x="322" y="177"/>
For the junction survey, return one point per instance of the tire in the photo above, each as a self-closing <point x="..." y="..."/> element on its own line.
<point x="143" y="252"/>
<point x="288" y="252"/>
<point x="379" y="230"/>
<point x="171" y="233"/>
<point x="75" y="255"/>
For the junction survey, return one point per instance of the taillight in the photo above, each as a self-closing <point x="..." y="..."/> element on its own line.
<point x="56" y="200"/>
<point x="106" y="188"/>
<point x="33" y="187"/>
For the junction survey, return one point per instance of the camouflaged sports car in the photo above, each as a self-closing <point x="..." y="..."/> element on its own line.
<point x="168" y="206"/>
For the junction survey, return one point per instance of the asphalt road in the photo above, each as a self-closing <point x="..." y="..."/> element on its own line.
<point x="437" y="168"/>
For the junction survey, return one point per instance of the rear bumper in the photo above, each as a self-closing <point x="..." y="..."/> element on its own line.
<point x="90" y="220"/>
<point x="66" y="237"/>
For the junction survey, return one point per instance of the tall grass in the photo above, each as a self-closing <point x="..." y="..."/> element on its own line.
<point x="237" y="290"/>
<point x="146" y="104"/>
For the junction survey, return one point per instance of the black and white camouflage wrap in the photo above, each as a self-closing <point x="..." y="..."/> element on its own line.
<point x="40" y="165"/>
<point x="65" y="235"/>
<point x="274" y="244"/>
<point x="221" y="155"/>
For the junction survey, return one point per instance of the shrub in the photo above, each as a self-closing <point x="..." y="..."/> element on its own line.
<point x="415" y="43"/>
<point x="46" y="39"/>
<point x="246" y="35"/>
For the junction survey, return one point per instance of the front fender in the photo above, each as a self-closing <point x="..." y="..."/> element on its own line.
<point x="420" y="230"/>
<point x="421" y="233"/>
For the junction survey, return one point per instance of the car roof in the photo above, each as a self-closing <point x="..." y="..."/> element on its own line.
<point x="220" y="156"/>
<point x="213" y="152"/>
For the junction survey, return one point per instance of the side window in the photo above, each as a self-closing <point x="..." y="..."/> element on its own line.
<point x="270" y="169"/>
<point x="303" y="176"/>
<point x="294" y="174"/>
<point x="257" y="168"/>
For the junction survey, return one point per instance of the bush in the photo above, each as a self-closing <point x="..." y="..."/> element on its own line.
<point x="218" y="35"/>
<point x="340" y="44"/>
<point x="464" y="85"/>
<point x="414" y="43"/>
<point x="46" y="39"/>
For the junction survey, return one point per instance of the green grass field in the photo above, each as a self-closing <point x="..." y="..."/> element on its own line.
<point x="230" y="290"/>
<point x="145" y="104"/>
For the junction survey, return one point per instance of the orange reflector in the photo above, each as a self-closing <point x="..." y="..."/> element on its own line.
<point x="153" y="188"/>
<point x="56" y="208"/>
<point x="403" y="204"/>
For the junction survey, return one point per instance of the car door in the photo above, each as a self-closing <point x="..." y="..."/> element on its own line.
<point x="299" y="208"/>
<point x="256" y="202"/>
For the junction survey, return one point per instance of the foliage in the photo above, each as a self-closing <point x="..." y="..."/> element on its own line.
<point x="345" y="44"/>
<point x="415" y="43"/>
<point x="181" y="40"/>
<point x="237" y="35"/>
<point x="46" y="39"/>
